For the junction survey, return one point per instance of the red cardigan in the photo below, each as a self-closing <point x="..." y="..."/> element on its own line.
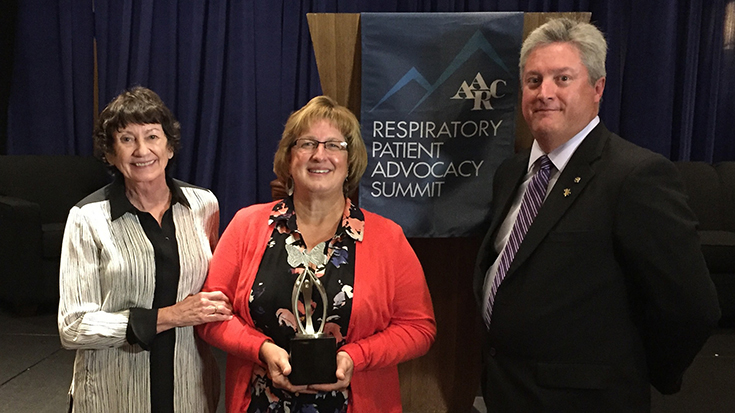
<point x="392" y="316"/>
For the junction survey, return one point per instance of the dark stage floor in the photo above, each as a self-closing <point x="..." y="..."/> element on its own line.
<point x="35" y="371"/>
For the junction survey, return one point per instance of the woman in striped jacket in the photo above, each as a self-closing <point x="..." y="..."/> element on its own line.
<point x="135" y="255"/>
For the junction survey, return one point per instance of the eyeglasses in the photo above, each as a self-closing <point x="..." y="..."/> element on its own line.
<point x="311" y="145"/>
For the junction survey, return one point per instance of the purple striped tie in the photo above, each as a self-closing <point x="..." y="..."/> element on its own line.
<point x="532" y="200"/>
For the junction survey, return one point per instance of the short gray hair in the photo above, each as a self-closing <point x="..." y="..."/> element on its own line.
<point x="586" y="37"/>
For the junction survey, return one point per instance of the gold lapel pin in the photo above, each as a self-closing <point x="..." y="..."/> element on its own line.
<point x="567" y="192"/>
<point x="577" y="179"/>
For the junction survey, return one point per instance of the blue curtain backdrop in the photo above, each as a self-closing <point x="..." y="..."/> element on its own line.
<point x="232" y="71"/>
<point x="52" y="86"/>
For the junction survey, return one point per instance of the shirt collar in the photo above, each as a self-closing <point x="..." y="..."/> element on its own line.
<point x="560" y="156"/>
<point x="352" y="225"/>
<point x="120" y="204"/>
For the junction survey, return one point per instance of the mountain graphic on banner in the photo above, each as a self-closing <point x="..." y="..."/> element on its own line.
<point x="476" y="43"/>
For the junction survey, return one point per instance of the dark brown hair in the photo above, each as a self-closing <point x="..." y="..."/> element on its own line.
<point x="138" y="106"/>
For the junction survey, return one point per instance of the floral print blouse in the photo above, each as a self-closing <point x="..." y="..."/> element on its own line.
<point x="285" y="258"/>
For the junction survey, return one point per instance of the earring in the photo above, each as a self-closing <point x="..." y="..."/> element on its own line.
<point x="289" y="187"/>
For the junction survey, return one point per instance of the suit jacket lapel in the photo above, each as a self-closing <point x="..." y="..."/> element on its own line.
<point x="507" y="193"/>
<point x="578" y="173"/>
<point x="508" y="180"/>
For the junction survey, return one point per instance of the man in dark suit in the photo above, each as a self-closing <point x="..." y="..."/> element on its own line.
<point x="603" y="288"/>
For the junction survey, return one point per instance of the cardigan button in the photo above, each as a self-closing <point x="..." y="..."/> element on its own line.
<point x="492" y="351"/>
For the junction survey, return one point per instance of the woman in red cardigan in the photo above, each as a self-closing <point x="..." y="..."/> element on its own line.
<point x="378" y="305"/>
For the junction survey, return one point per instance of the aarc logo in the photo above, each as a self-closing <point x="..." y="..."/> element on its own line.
<point x="479" y="92"/>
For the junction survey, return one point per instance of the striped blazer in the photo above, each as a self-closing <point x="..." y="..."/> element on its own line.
<point x="108" y="267"/>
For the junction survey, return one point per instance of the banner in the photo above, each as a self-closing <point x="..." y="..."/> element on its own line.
<point x="439" y="92"/>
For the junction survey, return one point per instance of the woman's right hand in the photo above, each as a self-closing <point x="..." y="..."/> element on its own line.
<point x="200" y="308"/>
<point x="277" y="365"/>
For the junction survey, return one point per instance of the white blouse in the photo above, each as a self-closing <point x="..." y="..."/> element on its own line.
<point x="108" y="267"/>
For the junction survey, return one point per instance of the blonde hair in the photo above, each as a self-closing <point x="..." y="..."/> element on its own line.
<point x="323" y="108"/>
<point x="587" y="38"/>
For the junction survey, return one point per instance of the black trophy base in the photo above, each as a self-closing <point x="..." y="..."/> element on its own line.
<point x="313" y="360"/>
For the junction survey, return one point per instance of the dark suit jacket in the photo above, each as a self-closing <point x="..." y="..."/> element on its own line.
<point x="608" y="291"/>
